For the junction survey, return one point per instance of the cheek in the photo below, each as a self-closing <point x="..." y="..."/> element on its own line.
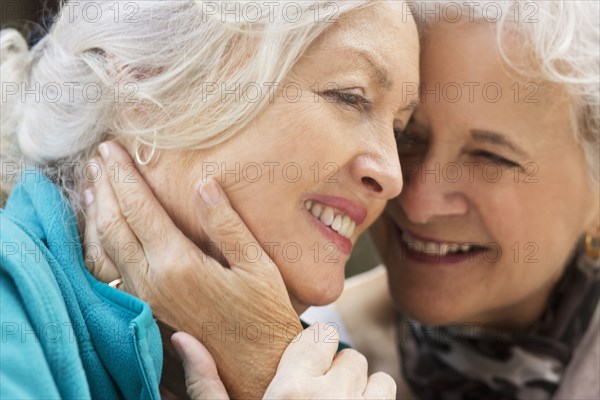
<point x="378" y="234"/>
<point x="532" y="223"/>
<point x="534" y="229"/>
<point x="270" y="210"/>
<point x="383" y="235"/>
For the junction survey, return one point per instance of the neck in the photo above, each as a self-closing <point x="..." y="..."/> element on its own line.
<point x="523" y="314"/>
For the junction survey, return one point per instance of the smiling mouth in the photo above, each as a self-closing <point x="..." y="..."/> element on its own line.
<point x="440" y="249"/>
<point x="336" y="220"/>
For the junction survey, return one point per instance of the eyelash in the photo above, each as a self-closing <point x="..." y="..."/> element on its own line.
<point x="496" y="158"/>
<point x="358" y="101"/>
<point x="405" y="140"/>
<point x="353" y="100"/>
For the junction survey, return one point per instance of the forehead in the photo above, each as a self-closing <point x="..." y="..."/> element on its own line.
<point x="465" y="58"/>
<point x="380" y="21"/>
<point x="462" y="51"/>
<point x="384" y="31"/>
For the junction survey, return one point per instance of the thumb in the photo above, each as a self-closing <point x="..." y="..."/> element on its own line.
<point x="311" y="352"/>
<point x="201" y="376"/>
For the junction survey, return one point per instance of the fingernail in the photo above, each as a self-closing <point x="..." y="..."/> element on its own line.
<point x="88" y="196"/>
<point x="103" y="148"/>
<point x="93" y="170"/>
<point x="210" y="193"/>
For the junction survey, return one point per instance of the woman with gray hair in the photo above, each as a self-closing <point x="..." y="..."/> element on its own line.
<point x="492" y="248"/>
<point x="290" y="108"/>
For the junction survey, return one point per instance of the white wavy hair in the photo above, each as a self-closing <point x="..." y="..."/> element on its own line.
<point x="153" y="70"/>
<point x="563" y="38"/>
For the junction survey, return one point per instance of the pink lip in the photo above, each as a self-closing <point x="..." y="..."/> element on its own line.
<point x="342" y="243"/>
<point x="357" y="213"/>
<point x="428" y="239"/>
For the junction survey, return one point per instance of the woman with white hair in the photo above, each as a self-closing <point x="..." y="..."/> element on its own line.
<point x="492" y="249"/>
<point x="288" y="108"/>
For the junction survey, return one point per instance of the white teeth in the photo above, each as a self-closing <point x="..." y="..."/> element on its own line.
<point x="340" y="223"/>
<point x="328" y="216"/>
<point x="346" y="222"/>
<point x="444" y="249"/>
<point x="350" y="231"/>
<point x="433" y="248"/>
<point x="316" y="210"/>
<point x="453" y="248"/>
<point x="337" y="223"/>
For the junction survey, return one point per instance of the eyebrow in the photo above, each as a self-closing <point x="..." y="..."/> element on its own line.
<point x="378" y="73"/>
<point x="382" y="76"/>
<point x="496" y="139"/>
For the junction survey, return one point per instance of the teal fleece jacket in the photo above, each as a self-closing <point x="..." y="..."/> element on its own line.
<point x="65" y="334"/>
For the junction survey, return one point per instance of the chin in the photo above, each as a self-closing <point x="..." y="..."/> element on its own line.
<point x="429" y="312"/>
<point x="319" y="292"/>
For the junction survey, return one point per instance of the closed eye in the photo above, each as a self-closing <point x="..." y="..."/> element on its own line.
<point x="496" y="158"/>
<point x="351" y="99"/>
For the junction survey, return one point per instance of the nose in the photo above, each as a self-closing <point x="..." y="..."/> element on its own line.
<point x="378" y="168"/>
<point x="428" y="196"/>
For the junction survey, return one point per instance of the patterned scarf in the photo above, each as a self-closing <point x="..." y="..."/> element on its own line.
<point x="461" y="362"/>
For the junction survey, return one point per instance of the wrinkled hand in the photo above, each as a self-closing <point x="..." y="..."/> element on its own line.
<point x="129" y="234"/>
<point x="309" y="369"/>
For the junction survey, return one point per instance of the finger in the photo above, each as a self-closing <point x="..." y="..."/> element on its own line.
<point x="117" y="238"/>
<point x="350" y="367"/>
<point x="380" y="386"/>
<point x="311" y="353"/>
<point x="96" y="260"/>
<point x="201" y="376"/>
<point x="227" y="231"/>
<point x="144" y="214"/>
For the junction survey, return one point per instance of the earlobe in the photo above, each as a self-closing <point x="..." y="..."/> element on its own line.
<point x="592" y="243"/>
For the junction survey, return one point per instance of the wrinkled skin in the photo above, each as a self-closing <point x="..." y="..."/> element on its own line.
<point x="529" y="202"/>
<point x="351" y="128"/>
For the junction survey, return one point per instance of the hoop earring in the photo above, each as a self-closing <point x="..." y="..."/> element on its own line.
<point x="138" y="146"/>
<point x="591" y="249"/>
